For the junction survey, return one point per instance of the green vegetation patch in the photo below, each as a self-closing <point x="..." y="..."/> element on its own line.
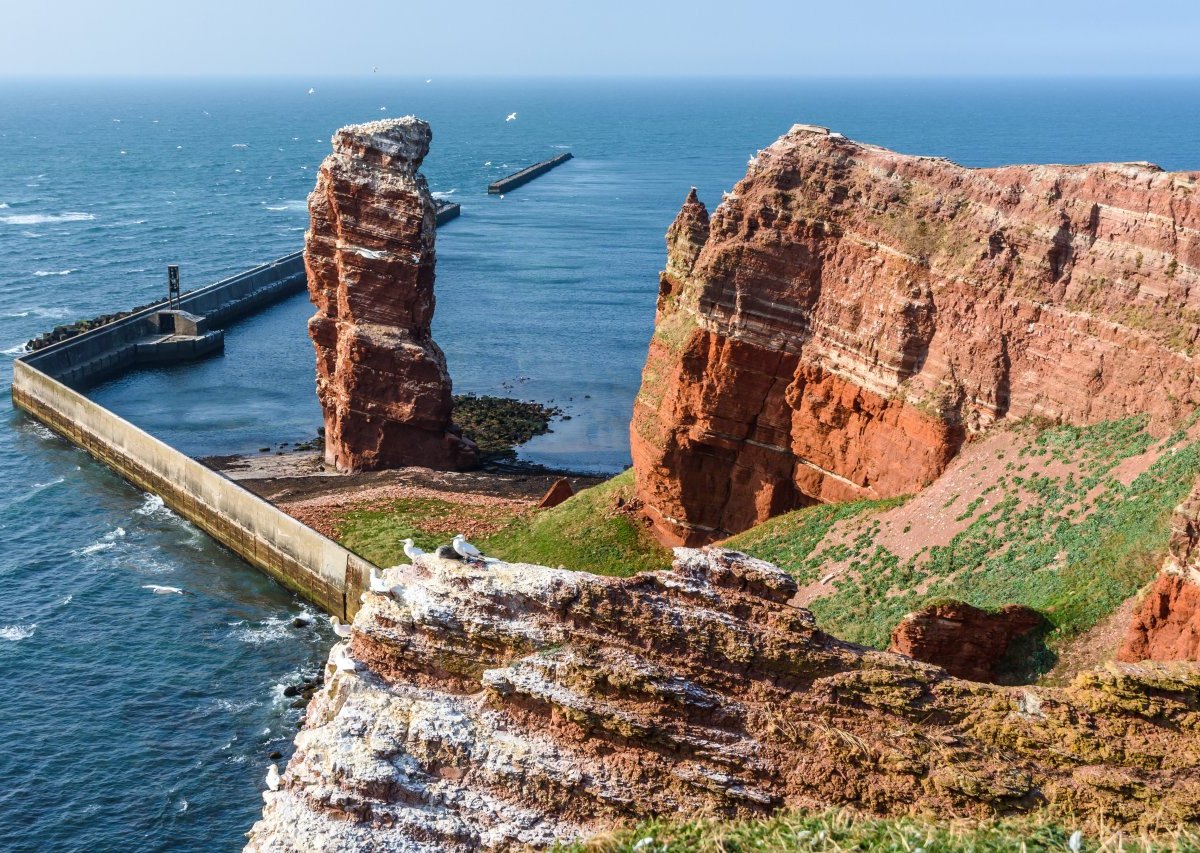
<point x="499" y="424"/>
<point x="588" y="532"/>
<point x="378" y="532"/>
<point x="840" y="830"/>
<point x="1073" y="546"/>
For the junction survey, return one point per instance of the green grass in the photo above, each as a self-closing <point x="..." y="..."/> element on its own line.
<point x="839" y="830"/>
<point x="378" y="534"/>
<point x="1074" y="547"/>
<point x="586" y="533"/>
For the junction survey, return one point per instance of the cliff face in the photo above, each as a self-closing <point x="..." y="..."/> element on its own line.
<point x="1166" y="625"/>
<point x="507" y="705"/>
<point x="850" y="315"/>
<point x="369" y="253"/>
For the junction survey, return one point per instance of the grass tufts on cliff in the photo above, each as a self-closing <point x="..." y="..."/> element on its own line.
<point x="1071" y="521"/>
<point x="840" y="830"/>
<point x="589" y="532"/>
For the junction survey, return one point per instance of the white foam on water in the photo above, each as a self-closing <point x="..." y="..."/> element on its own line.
<point x="233" y="707"/>
<point x="153" y="507"/>
<point x="42" y="218"/>
<point x="16" y="633"/>
<point x="240" y="145"/>
<point x="44" y="273"/>
<point x="37" y="487"/>
<point x="3" y="205"/>
<point x="42" y="431"/>
<point x="270" y="630"/>
<point x="183" y="805"/>
<point x="65" y="601"/>
<point x="19" y="349"/>
<point x="38" y="311"/>
<point x="444" y="193"/>
<point x="97" y="547"/>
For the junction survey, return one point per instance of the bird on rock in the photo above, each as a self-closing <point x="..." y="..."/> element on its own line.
<point x="339" y="627"/>
<point x="465" y="549"/>
<point x="273" y="777"/>
<point x="378" y="584"/>
<point x="411" y="550"/>
<point x="343" y="661"/>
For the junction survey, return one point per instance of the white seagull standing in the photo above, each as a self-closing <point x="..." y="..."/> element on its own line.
<point x="378" y="584"/>
<point x="411" y="550"/>
<point x="339" y="627"/>
<point x="465" y="549"/>
<point x="343" y="661"/>
<point x="273" y="777"/>
<point x="511" y="117"/>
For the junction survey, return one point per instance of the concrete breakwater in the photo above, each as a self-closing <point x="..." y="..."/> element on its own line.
<point x="304" y="561"/>
<point x="527" y="174"/>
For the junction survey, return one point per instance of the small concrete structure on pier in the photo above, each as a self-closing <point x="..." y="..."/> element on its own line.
<point x="527" y="174"/>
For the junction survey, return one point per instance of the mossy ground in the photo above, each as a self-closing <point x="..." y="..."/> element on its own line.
<point x="587" y="533"/>
<point x="499" y="424"/>
<point x="839" y="830"/>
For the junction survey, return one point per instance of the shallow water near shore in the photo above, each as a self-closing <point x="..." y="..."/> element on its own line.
<point x="137" y="721"/>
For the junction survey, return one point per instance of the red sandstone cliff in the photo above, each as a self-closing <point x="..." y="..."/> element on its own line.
<point x="1166" y="624"/>
<point x="381" y="379"/>
<point x="850" y="315"/>
<point x="504" y="706"/>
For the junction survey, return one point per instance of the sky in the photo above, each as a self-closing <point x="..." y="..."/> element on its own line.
<point x="152" y="38"/>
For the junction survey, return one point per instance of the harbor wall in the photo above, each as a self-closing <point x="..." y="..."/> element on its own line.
<point x="112" y="348"/>
<point x="314" y="567"/>
<point x="527" y="174"/>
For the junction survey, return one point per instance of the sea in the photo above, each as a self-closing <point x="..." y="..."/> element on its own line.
<point x="136" y="721"/>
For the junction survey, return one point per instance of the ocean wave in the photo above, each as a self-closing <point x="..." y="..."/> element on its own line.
<point x="16" y="633"/>
<point x="239" y="145"/>
<point x="96" y="548"/>
<point x="42" y="218"/>
<point x="30" y="234"/>
<point x="153" y="507"/>
<point x="43" y="273"/>
<point x="234" y="707"/>
<point x="19" y="349"/>
<point x="270" y="630"/>
<point x="3" y="205"/>
<point x="65" y="601"/>
<point x="38" y="311"/>
<point x="444" y="193"/>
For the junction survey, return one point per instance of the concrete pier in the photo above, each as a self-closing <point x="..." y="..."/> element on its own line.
<point x="45" y="385"/>
<point x="447" y="210"/>
<point x="527" y="174"/>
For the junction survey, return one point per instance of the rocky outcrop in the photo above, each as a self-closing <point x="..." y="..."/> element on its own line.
<point x="496" y="706"/>
<point x="559" y="492"/>
<point x="1166" y="623"/>
<point x="850" y="315"/>
<point x="967" y="642"/>
<point x="369" y="253"/>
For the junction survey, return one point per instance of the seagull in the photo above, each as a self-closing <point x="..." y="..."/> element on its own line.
<point x="378" y="584"/>
<point x="343" y="661"/>
<point x="511" y="117"/>
<point x="273" y="777"/>
<point x="163" y="590"/>
<point x="374" y="69"/>
<point x="312" y="91"/>
<point x="339" y="627"/>
<point x="430" y="80"/>
<point x="383" y="109"/>
<point x="412" y="551"/>
<point x="465" y="549"/>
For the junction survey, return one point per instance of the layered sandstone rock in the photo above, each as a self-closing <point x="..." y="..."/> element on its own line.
<point x="381" y="379"/>
<point x="499" y="706"/>
<point x="1166" y="624"/>
<point x="850" y="315"/>
<point x="967" y="642"/>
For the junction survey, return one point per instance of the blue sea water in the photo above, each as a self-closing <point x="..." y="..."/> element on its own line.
<point x="134" y="721"/>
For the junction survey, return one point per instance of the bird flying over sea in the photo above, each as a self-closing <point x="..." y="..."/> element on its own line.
<point x="511" y="117"/>
<point x="312" y="91"/>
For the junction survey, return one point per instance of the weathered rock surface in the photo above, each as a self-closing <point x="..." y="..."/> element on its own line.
<point x="557" y="493"/>
<point x="1166" y="624"/>
<point x="964" y="640"/>
<point x="499" y="706"/>
<point x="369" y="253"/>
<point x="850" y="315"/>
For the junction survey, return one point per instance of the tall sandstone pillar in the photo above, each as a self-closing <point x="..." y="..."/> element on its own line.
<point x="369" y="254"/>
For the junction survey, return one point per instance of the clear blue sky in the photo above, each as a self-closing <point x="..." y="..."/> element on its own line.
<point x="600" y="37"/>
